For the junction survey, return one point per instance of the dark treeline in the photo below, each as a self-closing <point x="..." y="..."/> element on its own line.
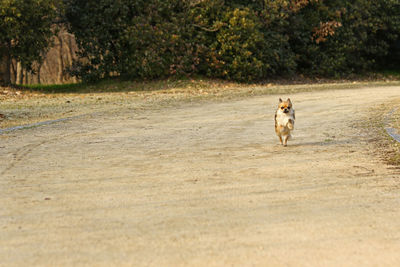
<point x="243" y="40"/>
<point x="238" y="39"/>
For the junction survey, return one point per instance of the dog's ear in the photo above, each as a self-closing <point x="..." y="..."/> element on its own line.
<point x="288" y="100"/>
<point x="280" y="100"/>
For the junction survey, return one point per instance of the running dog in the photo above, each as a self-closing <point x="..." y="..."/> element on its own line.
<point x="284" y="120"/>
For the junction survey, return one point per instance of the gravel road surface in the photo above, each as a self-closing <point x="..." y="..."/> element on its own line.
<point x="203" y="184"/>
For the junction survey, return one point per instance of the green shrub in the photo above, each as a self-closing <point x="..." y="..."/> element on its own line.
<point x="337" y="38"/>
<point x="238" y="40"/>
<point x="138" y="39"/>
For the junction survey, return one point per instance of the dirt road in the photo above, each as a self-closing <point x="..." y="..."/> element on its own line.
<point x="202" y="184"/>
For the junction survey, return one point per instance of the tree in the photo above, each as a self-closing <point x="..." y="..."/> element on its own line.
<point x="26" y="29"/>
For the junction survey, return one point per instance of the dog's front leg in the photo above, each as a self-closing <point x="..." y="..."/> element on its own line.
<point x="280" y="139"/>
<point x="285" y="139"/>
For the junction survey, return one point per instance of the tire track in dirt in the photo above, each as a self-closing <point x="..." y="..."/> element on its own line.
<point x="23" y="152"/>
<point x="19" y="155"/>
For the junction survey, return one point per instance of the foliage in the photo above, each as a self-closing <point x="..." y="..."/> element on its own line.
<point x="347" y="36"/>
<point x="26" y="28"/>
<point x="242" y="40"/>
<point x="236" y="52"/>
<point x="245" y="49"/>
<point x="138" y="39"/>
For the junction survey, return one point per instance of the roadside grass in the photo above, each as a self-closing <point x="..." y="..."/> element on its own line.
<point x="54" y="88"/>
<point x="36" y="103"/>
<point x="394" y="156"/>
<point x="384" y="145"/>
<point x="391" y="74"/>
<point x="193" y="84"/>
<point x="120" y="85"/>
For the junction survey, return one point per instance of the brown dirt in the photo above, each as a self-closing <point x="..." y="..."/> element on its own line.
<point x="202" y="184"/>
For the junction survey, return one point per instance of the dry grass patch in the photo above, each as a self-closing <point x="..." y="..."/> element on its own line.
<point x="384" y="145"/>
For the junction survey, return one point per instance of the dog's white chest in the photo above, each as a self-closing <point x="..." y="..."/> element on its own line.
<point x="282" y="119"/>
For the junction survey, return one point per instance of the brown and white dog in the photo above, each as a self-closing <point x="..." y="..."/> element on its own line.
<point x="284" y="120"/>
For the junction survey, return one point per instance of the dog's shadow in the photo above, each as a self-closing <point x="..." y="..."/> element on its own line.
<point x="321" y="143"/>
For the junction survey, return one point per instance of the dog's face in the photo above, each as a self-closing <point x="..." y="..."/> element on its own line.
<point x="285" y="106"/>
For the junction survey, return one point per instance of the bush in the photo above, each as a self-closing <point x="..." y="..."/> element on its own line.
<point x="346" y="37"/>
<point x="244" y="49"/>
<point x="238" y="40"/>
<point x="138" y="39"/>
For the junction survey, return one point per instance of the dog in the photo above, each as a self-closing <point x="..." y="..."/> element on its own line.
<point x="284" y="120"/>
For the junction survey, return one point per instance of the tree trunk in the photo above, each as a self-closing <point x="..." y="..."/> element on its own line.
<point x="26" y="77"/>
<point x="71" y="54"/>
<point x="14" y="66"/>
<point x="20" y="75"/>
<point x="7" y="74"/>
<point x="60" y="60"/>
<point x="38" y="72"/>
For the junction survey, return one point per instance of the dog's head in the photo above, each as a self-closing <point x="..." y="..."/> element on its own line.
<point x="285" y="106"/>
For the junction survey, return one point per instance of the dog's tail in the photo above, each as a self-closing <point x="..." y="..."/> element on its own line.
<point x="290" y="124"/>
